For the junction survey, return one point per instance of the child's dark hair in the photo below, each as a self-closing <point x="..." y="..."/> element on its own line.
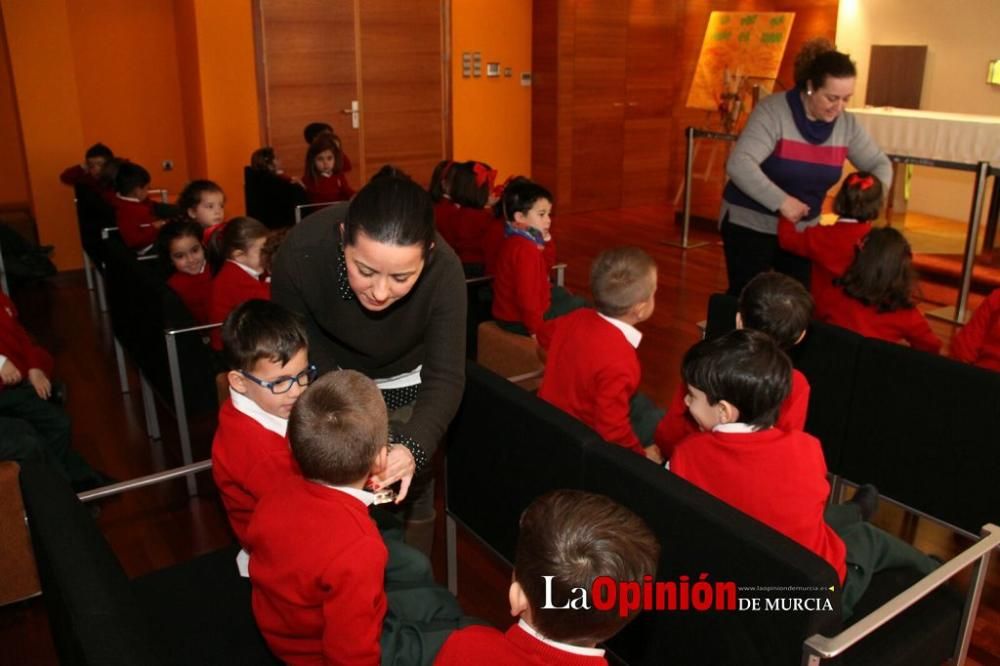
<point x="392" y="210"/>
<point x="259" y="329"/>
<point x="130" y="176"/>
<point x="520" y="196"/>
<point x="109" y="173"/>
<point x="777" y="305"/>
<point x="170" y="232"/>
<point x="881" y="274"/>
<point x="620" y="278"/>
<point x="191" y="195"/>
<point x="819" y="59"/>
<point x="337" y="428"/>
<point x="313" y="130"/>
<point x="576" y="537"/>
<point x="264" y="159"/>
<point x="860" y="197"/>
<point x="440" y="184"/>
<point x="98" y="150"/>
<point x="321" y="143"/>
<point x="238" y="234"/>
<point x="746" y="369"/>
<point x="470" y="184"/>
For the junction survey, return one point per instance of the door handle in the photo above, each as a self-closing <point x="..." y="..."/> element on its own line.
<point x="354" y="112"/>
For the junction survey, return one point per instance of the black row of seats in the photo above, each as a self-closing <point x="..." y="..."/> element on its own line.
<point x="507" y="447"/>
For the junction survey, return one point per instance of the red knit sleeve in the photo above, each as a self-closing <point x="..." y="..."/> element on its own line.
<point x="73" y="175"/>
<point x="793" y="412"/>
<point x="355" y="606"/>
<point x="531" y="287"/>
<point x="615" y="387"/>
<point x="16" y="344"/>
<point x="919" y="334"/>
<point x="675" y="425"/>
<point x="135" y="224"/>
<point x="968" y="342"/>
<point x="791" y="239"/>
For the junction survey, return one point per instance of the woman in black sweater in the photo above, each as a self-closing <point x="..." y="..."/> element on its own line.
<point x="383" y="295"/>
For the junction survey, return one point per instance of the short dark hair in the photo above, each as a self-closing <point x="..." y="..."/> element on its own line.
<point x="819" y="59"/>
<point x="620" y="278"/>
<point x="860" y="197"/>
<point x="778" y="305"/>
<point x="130" y="176"/>
<point x="323" y="142"/>
<point x="98" y="150"/>
<point x="392" y="210"/>
<point x="239" y="233"/>
<point x="263" y="159"/>
<point x="170" y="232"/>
<point x="313" y="130"/>
<point x="463" y="188"/>
<point x="520" y="196"/>
<point x="881" y="274"/>
<point x="440" y="184"/>
<point x="746" y="369"/>
<point x="258" y="330"/>
<point x="576" y="537"/>
<point x="190" y="196"/>
<point x="337" y="427"/>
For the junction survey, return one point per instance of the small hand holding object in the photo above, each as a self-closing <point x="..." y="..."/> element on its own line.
<point x="400" y="466"/>
<point x="792" y="209"/>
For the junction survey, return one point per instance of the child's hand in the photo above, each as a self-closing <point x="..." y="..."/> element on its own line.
<point x="401" y="467"/>
<point x="653" y="453"/>
<point x="41" y="383"/>
<point x="158" y="223"/>
<point x="10" y="374"/>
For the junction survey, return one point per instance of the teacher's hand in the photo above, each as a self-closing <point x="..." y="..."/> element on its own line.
<point x="401" y="467"/>
<point x="792" y="209"/>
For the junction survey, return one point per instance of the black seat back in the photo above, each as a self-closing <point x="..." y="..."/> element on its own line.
<point x="271" y="199"/>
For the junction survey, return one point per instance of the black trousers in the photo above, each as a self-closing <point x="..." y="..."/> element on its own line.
<point x="750" y="252"/>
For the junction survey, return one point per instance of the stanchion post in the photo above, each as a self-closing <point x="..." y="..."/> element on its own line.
<point x="688" y="173"/>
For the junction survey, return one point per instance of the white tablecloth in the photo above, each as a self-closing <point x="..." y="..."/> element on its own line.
<point x="953" y="137"/>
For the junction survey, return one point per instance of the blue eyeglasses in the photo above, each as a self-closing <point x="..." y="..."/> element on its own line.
<point x="284" y="384"/>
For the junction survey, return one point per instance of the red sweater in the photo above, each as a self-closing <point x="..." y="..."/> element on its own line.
<point x="469" y="227"/>
<point x="231" y="287"/>
<point x="196" y="293"/>
<point x="978" y="342"/>
<point x="678" y="424"/>
<point x="317" y="572"/>
<point x="324" y="189"/>
<point x="135" y="222"/>
<point x="17" y="345"/>
<point x="830" y="248"/>
<point x="906" y="324"/>
<point x="592" y="371"/>
<point x="77" y="175"/>
<point x="248" y="460"/>
<point x="521" y="289"/>
<point x="445" y="213"/>
<point x="777" y="477"/>
<point x="486" y="645"/>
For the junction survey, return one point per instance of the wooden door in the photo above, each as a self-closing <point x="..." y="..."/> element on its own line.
<point x="599" y="67"/>
<point x="316" y="57"/>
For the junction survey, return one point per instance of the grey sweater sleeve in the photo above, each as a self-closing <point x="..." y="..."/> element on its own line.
<point x="865" y="154"/>
<point x="756" y="143"/>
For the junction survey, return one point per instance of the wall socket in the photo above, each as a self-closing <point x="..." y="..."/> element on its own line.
<point x="168" y="165"/>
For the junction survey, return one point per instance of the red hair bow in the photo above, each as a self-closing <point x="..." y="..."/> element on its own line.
<point x="484" y="174"/>
<point x="863" y="182"/>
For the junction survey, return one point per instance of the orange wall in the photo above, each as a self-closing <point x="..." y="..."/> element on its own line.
<point x="13" y="171"/>
<point x="41" y="57"/>
<point x="491" y="117"/>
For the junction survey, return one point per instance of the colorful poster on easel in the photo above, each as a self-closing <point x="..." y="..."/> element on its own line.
<point x="738" y="44"/>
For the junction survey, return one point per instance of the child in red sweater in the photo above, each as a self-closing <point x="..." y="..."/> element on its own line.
<point x="313" y="130"/>
<point x="569" y="538"/>
<point x="592" y="369"/>
<point x="204" y="202"/>
<point x="465" y="223"/>
<point x="523" y="297"/>
<point x="736" y="384"/>
<point x="323" y="175"/>
<point x="831" y="248"/>
<point x="180" y="243"/>
<point x="88" y="174"/>
<point x="978" y="342"/>
<point x="134" y="212"/>
<point x="266" y="350"/>
<point x="874" y="297"/>
<point x="318" y="561"/>
<point x="241" y="271"/>
<point x="772" y="303"/>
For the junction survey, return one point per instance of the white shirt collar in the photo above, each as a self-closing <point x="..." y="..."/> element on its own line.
<point x="565" y="647"/>
<point x="245" y="405"/>
<point x="734" y="427"/>
<point x="132" y="199"/>
<point x="630" y="332"/>
<point x="357" y="493"/>
<point x="848" y="220"/>
<point x="249" y="271"/>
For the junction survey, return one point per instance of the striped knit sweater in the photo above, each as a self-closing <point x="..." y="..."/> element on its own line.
<point x="781" y="152"/>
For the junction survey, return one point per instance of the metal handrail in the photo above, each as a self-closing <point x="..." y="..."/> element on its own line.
<point x="818" y="647"/>
<point x="143" y="481"/>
